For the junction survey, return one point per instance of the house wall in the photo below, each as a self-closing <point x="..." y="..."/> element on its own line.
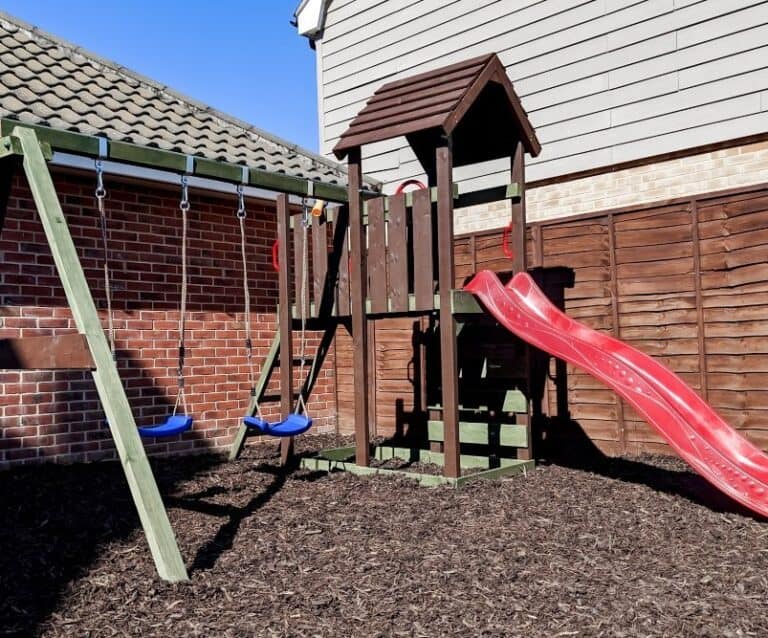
<point x="731" y="167"/>
<point x="56" y="416"/>
<point x="603" y="81"/>
<point x="682" y="279"/>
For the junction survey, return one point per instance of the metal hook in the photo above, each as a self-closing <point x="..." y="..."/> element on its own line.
<point x="100" y="192"/>
<point x="240" y="201"/>
<point x="184" y="204"/>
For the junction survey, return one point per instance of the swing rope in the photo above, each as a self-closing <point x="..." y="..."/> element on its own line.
<point x="306" y="220"/>
<point x="101" y="193"/>
<point x="241" y="215"/>
<point x="295" y="423"/>
<point x="184" y="206"/>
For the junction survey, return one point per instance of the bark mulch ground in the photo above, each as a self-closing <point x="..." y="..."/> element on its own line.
<point x="630" y="548"/>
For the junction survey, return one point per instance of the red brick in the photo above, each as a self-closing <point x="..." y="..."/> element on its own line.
<point x="145" y="240"/>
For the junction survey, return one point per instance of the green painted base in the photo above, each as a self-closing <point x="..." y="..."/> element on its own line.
<point x="343" y="459"/>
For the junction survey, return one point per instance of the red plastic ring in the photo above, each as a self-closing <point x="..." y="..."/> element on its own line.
<point x="276" y="255"/>
<point x="410" y="182"/>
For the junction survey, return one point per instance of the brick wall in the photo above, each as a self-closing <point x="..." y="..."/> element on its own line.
<point x="57" y="415"/>
<point x="727" y="168"/>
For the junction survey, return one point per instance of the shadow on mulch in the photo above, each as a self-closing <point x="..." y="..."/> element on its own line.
<point x="59" y="520"/>
<point x="233" y="516"/>
<point x="662" y="474"/>
<point x="56" y="521"/>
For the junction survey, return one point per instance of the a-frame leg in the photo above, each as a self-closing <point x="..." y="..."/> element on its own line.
<point x="141" y="481"/>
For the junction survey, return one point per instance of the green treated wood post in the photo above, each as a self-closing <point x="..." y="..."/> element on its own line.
<point x="141" y="481"/>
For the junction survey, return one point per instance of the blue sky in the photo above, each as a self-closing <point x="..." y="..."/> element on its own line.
<point x="241" y="57"/>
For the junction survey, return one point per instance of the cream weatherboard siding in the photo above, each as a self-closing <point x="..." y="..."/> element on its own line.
<point x="603" y="81"/>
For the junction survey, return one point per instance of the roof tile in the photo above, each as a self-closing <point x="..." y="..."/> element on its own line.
<point x="51" y="82"/>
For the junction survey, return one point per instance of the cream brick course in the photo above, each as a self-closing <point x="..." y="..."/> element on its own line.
<point x="680" y="177"/>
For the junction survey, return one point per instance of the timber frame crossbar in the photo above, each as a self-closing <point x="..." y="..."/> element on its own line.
<point x="88" y="348"/>
<point x="462" y="114"/>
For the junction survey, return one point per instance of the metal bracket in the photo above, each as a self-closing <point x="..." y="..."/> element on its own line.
<point x="190" y="168"/>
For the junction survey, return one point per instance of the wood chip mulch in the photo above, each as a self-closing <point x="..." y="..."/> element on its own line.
<point x="633" y="547"/>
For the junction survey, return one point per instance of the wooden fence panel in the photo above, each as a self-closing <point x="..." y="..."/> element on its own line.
<point x="685" y="282"/>
<point x="734" y="282"/>
<point x="584" y="247"/>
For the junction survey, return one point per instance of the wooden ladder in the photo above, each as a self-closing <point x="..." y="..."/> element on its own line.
<point x="271" y="363"/>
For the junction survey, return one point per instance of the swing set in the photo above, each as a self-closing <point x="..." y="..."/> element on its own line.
<point x="180" y="419"/>
<point x="372" y="257"/>
<point x="28" y="148"/>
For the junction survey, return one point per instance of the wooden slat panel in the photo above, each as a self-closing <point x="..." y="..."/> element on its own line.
<point x="62" y="352"/>
<point x="423" y="282"/>
<point x="377" y="256"/>
<point x="756" y="220"/>
<point x="397" y="253"/>
<point x="470" y="67"/>
<point x="400" y="106"/>
<point x="510" y="434"/>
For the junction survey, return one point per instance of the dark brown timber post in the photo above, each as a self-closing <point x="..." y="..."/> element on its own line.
<point x="519" y="264"/>
<point x="357" y="308"/>
<point x="446" y="274"/>
<point x="284" y="319"/>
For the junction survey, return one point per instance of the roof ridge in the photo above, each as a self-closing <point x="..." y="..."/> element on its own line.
<point x="129" y="74"/>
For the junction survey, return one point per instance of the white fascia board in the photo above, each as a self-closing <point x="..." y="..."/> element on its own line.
<point x="310" y="17"/>
<point x="164" y="177"/>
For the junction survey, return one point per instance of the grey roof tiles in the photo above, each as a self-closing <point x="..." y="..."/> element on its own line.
<point x="49" y="82"/>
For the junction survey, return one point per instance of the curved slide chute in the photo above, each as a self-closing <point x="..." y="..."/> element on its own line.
<point x="691" y="427"/>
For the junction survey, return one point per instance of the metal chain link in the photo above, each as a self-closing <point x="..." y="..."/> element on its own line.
<point x="240" y="202"/>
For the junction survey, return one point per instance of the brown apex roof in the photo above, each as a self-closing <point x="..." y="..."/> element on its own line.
<point x="50" y="82"/>
<point x="436" y="99"/>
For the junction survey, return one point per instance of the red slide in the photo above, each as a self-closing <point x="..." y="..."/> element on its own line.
<point x="693" y="429"/>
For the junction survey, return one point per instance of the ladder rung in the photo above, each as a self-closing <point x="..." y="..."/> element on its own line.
<point x="274" y="398"/>
<point x="297" y="361"/>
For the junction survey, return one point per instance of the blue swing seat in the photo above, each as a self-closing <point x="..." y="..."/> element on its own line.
<point x="174" y="424"/>
<point x="294" y="425"/>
